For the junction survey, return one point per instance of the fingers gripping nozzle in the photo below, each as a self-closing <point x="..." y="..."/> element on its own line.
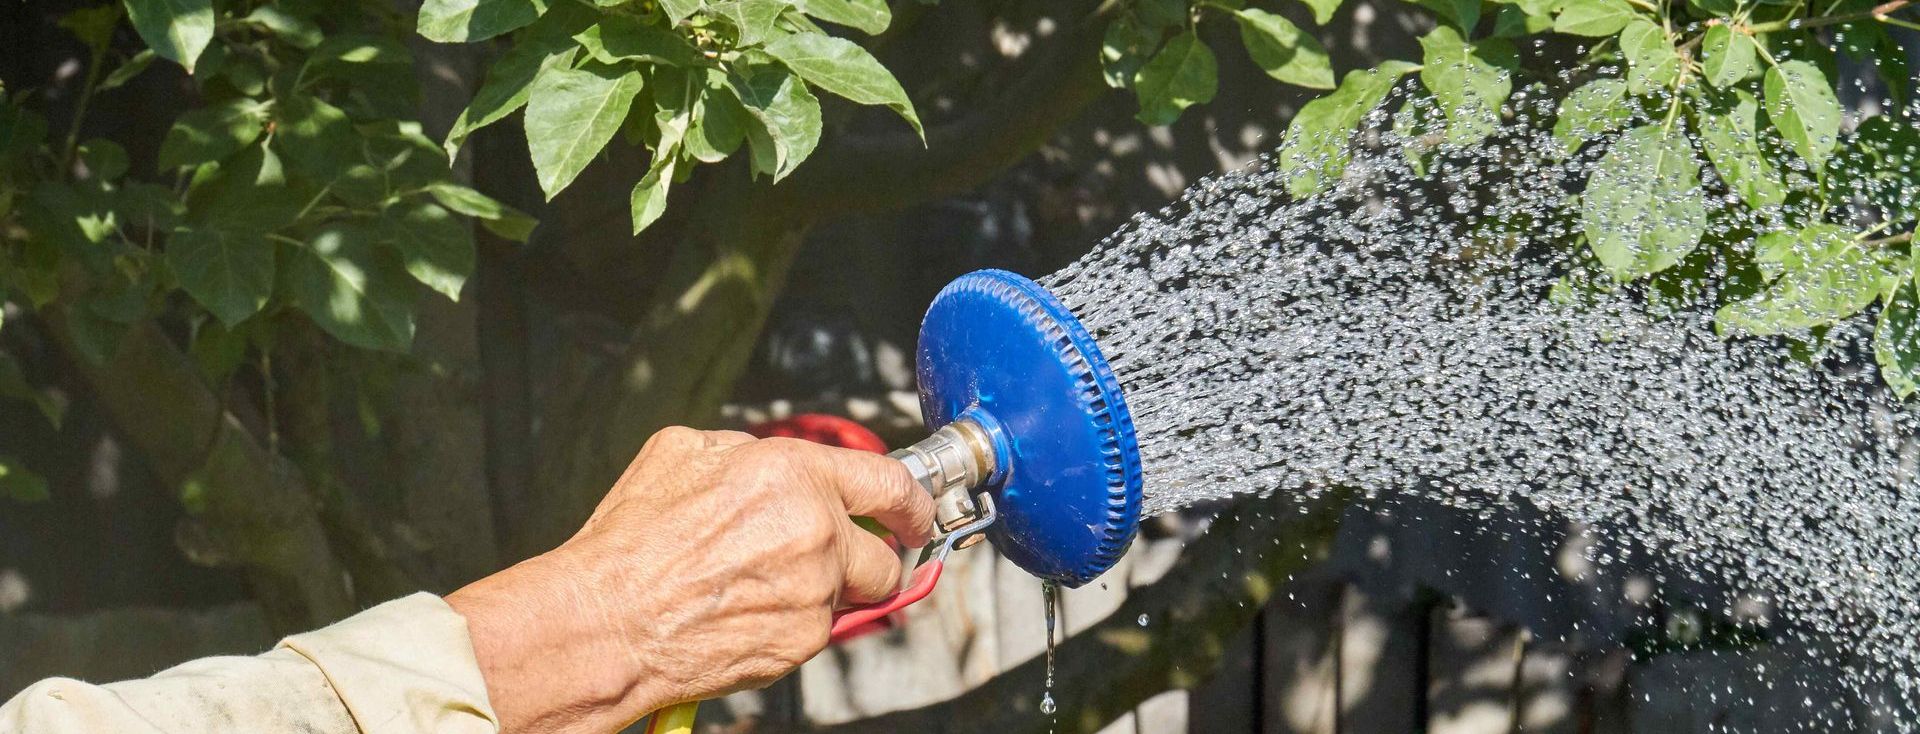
<point x="951" y="464"/>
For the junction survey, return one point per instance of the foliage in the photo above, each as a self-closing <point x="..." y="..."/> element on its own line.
<point x="296" y="192"/>
<point x="1741" y="99"/>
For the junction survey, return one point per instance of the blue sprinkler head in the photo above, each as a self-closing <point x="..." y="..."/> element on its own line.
<point x="1002" y="357"/>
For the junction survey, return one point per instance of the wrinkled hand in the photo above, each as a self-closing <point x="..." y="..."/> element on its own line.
<point x="713" y="565"/>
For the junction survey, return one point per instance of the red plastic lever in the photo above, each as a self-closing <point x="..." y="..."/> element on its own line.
<point x="852" y="618"/>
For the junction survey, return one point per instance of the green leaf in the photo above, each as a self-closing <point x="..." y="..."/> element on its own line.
<point x="247" y="192"/>
<point x="752" y="20"/>
<point x="618" y="38"/>
<point x="1652" y="61"/>
<point x="1469" y="81"/>
<point x="1803" y="107"/>
<point x="866" y="16"/>
<point x="786" y="117"/>
<point x="571" y="115"/>
<point x="19" y="484"/>
<point x="678" y="10"/>
<point x="1461" y="14"/>
<point x="1896" y="339"/>
<point x="649" y="198"/>
<point x="1124" y="48"/>
<point x="356" y="291"/>
<point x="1595" y="109"/>
<point x="1182" y="74"/>
<point x="459" y="21"/>
<point x="103" y="159"/>
<point x="499" y="218"/>
<point x="843" y="68"/>
<point x="1314" y="153"/>
<point x="1322" y="10"/>
<point x="437" y="248"/>
<point x="295" y="30"/>
<point x="230" y="273"/>
<point x="1825" y="275"/>
<point x="508" y="84"/>
<point x="129" y="69"/>
<point x="145" y="207"/>
<point x="176" y="29"/>
<point x="1727" y="57"/>
<point x="1643" y="209"/>
<point x="1731" y="135"/>
<point x="719" y="122"/>
<point x="1593" y="18"/>
<point x="317" y="137"/>
<point x="93" y="26"/>
<point x="1283" y="50"/>
<point x="1513" y="21"/>
<point x="211" y="133"/>
<point x="1162" y="14"/>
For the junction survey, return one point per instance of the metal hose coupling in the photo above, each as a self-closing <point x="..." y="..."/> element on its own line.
<point x="950" y="464"/>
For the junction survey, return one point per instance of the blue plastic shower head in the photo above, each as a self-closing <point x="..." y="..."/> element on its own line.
<point x="1000" y="350"/>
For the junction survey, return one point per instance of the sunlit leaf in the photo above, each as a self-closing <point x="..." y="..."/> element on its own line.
<point x="1896" y="339"/>
<point x="436" y="247"/>
<point x="1314" y="153"/>
<point x="1595" y="109"/>
<point x="456" y="21"/>
<point x="176" y="29"/>
<point x="356" y="291"/>
<point x="752" y="20"/>
<point x="844" y="68"/>
<point x="1469" y="81"/>
<point x="509" y="81"/>
<point x="499" y="218"/>
<point x="1182" y="74"/>
<point x="571" y="115"/>
<point x="1284" y="51"/>
<point x="1652" y="61"/>
<point x="1730" y="133"/>
<point x="867" y="16"/>
<point x="208" y="134"/>
<point x="1643" y="209"/>
<point x="1826" y="275"/>
<point x="1322" y="10"/>
<point x="1595" y="18"/>
<point x="1727" y="57"/>
<point x="295" y="30"/>
<point x="785" y="117"/>
<point x="1803" y="107"/>
<point x="649" y="198"/>
<point x="619" y="38"/>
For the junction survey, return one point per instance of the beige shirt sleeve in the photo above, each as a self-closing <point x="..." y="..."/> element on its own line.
<point x="403" y="667"/>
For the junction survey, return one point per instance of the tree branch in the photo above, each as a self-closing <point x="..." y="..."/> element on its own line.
<point x="1215" y="590"/>
<point x="255" y="506"/>
<point x="896" y="170"/>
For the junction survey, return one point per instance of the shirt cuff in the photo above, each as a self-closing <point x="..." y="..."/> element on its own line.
<point x="404" y="667"/>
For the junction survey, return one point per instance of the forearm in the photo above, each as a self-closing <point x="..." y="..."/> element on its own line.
<point x="403" y="667"/>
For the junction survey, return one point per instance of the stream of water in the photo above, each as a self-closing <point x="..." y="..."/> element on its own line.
<point x="1396" y="336"/>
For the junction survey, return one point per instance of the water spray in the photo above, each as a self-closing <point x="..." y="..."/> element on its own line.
<point x="1032" y="445"/>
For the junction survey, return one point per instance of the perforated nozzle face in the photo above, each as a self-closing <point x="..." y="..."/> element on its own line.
<point x="1068" y="487"/>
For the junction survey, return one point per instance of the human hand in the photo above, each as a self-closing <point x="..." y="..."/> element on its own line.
<point x="713" y="565"/>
